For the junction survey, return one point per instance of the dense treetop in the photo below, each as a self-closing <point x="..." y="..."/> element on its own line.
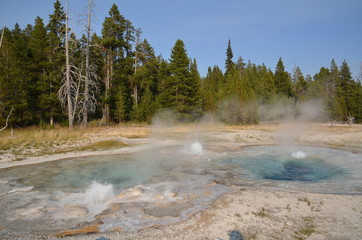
<point x="127" y="81"/>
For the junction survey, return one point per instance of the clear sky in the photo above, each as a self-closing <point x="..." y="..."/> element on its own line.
<point x="304" y="33"/>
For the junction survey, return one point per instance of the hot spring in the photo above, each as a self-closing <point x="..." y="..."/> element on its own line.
<point x="162" y="184"/>
<point x="298" y="168"/>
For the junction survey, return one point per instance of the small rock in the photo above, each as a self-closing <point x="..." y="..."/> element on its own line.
<point x="235" y="235"/>
<point x="102" y="238"/>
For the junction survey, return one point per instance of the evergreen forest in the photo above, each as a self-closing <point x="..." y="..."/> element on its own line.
<point x="48" y="76"/>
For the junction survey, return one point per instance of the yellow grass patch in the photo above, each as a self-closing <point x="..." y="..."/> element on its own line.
<point x="103" y="145"/>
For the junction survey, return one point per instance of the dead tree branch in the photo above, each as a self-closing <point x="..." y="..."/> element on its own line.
<point x="7" y="120"/>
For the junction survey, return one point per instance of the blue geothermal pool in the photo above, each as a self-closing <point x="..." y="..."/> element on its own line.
<point x="162" y="184"/>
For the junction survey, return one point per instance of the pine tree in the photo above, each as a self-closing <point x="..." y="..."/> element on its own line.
<point x="348" y="93"/>
<point x="336" y="104"/>
<point x="144" y="82"/>
<point x="229" y="64"/>
<point x="112" y="36"/>
<point x="282" y="80"/>
<point x="212" y="89"/>
<point x="147" y="106"/>
<point x="7" y="65"/>
<point x="240" y="65"/>
<point x="195" y="90"/>
<point x="318" y="87"/>
<point x="358" y="99"/>
<point x="145" y="75"/>
<point x="19" y="77"/>
<point x="39" y="46"/>
<point x="333" y="80"/>
<point x="250" y="78"/>
<point x="56" y="58"/>
<point x="118" y="36"/>
<point x="179" y="68"/>
<point x="300" y="85"/>
<point x="165" y="85"/>
<point x="179" y="88"/>
<point x="266" y="87"/>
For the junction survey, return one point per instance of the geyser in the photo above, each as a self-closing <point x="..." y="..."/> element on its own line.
<point x="299" y="154"/>
<point x="196" y="148"/>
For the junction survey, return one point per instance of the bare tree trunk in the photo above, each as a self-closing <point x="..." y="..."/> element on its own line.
<point x="87" y="67"/>
<point x="135" y="88"/>
<point x="2" y="33"/>
<point x="107" y="84"/>
<point x="135" y="95"/>
<point x="68" y="84"/>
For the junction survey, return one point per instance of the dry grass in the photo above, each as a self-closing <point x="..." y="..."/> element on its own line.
<point x="338" y="128"/>
<point x="35" y="137"/>
<point x="126" y="131"/>
<point x="103" y="145"/>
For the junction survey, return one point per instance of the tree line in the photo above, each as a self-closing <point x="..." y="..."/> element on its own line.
<point x="48" y="76"/>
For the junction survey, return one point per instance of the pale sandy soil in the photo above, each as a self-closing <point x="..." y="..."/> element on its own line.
<point x="258" y="213"/>
<point x="264" y="214"/>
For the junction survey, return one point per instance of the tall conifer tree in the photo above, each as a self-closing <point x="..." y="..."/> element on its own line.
<point x="282" y="81"/>
<point x="348" y="93"/>
<point x="39" y="46"/>
<point x="229" y="64"/>
<point x="118" y="37"/>
<point x="180" y="90"/>
<point x="300" y="85"/>
<point x="56" y="58"/>
<point x="335" y="103"/>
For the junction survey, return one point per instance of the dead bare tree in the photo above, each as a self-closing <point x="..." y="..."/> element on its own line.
<point x="76" y="81"/>
<point x="107" y="84"/>
<point x="136" y="63"/>
<point x="88" y="100"/>
<point x="87" y="67"/>
<point x="68" y="90"/>
<point x="7" y="120"/>
<point x="2" y="33"/>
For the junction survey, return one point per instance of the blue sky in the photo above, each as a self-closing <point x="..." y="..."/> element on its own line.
<point x="305" y="33"/>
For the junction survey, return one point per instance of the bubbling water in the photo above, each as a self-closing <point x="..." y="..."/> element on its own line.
<point x="196" y="149"/>
<point x="98" y="193"/>
<point x="96" y="198"/>
<point x="299" y="154"/>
